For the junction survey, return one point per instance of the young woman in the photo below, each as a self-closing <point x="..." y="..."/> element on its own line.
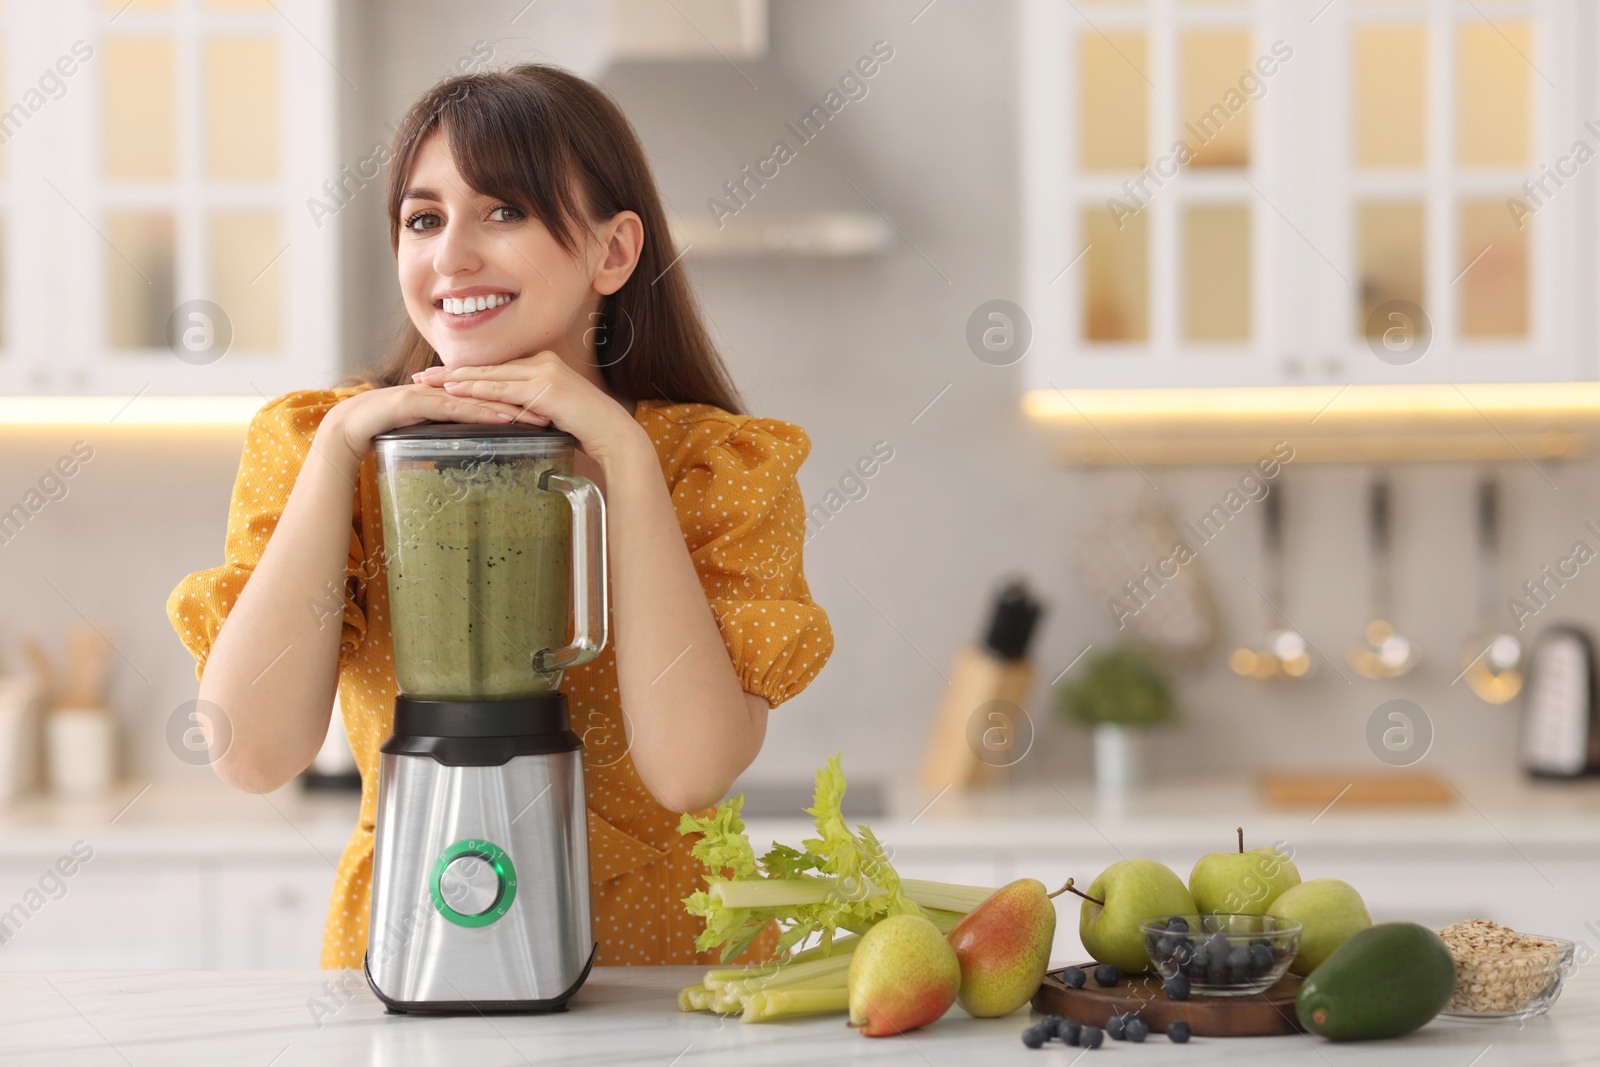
<point x="541" y="286"/>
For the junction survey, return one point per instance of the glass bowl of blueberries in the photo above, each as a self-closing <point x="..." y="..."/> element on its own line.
<point x="1221" y="955"/>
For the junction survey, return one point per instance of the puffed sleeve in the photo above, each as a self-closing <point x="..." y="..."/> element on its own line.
<point x="276" y="444"/>
<point x="741" y="512"/>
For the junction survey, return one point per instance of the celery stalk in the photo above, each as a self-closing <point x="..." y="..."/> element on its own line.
<point x="788" y="892"/>
<point x="761" y="1007"/>
<point x="692" y="998"/>
<point x="944" y="920"/>
<point x="944" y="895"/>
<point x="817" y="972"/>
<point x="775" y="892"/>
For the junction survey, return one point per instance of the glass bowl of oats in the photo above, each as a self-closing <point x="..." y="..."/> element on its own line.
<point x="1501" y="973"/>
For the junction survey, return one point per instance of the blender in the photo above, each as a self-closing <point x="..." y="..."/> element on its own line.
<point x="480" y="868"/>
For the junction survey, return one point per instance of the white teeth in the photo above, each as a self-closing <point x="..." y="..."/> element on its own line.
<point x="471" y="305"/>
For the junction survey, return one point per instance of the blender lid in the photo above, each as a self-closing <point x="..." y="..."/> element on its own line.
<point x="440" y="430"/>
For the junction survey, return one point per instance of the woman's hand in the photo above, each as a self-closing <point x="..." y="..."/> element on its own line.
<point x="357" y="419"/>
<point x="543" y="390"/>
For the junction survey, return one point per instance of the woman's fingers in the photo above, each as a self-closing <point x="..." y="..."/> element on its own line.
<point x="491" y="410"/>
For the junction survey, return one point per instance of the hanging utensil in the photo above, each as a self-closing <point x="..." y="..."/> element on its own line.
<point x="1381" y="652"/>
<point x="1491" y="658"/>
<point x="1284" y="653"/>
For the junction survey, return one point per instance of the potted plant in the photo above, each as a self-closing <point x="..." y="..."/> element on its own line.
<point x="1119" y="693"/>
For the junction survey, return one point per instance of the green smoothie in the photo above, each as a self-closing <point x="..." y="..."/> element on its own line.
<point x="480" y="568"/>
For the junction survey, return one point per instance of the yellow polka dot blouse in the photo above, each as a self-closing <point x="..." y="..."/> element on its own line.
<point x="732" y="481"/>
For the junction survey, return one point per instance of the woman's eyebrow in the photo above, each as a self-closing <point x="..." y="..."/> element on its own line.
<point x="420" y="194"/>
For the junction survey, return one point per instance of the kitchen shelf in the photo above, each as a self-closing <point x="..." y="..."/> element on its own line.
<point x="822" y="234"/>
<point x="1475" y="422"/>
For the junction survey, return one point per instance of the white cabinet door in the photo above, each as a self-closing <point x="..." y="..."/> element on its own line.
<point x="267" y="917"/>
<point x="109" y="915"/>
<point x="1228" y="195"/>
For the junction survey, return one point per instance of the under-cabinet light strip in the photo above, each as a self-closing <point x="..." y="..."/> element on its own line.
<point x="217" y="411"/>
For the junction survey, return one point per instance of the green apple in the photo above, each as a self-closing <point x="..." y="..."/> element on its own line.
<point x="1331" y="911"/>
<point x="1241" y="882"/>
<point x="1126" y="894"/>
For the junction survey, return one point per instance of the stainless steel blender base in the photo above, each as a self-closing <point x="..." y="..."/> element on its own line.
<point x="480" y="874"/>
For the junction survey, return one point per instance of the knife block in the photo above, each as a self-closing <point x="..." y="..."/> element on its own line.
<point x="981" y="725"/>
<point x="970" y="741"/>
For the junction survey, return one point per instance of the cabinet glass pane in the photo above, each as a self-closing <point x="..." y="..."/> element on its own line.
<point x="1391" y="237"/>
<point x="1216" y="114"/>
<point x="1116" y="288"/>
<point x="1391" y="96"/>
<point x="1494" y="93"/>
<point x="139" y="278"/>
<point x="241" y="108"/>
<point x="245" y="280"/>
<point x="1494" y="289"/>
<point x="1112" y="101"/>
<point x="1216" y="273"/>
<point x="139" y="127"/>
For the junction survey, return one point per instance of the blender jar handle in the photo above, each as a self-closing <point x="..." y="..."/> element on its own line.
<point x="589" y="580"/>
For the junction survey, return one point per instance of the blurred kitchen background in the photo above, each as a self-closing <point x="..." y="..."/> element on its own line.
<point x="1145" y="355"/>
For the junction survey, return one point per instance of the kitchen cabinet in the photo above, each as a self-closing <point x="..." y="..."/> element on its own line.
<point x="108" y="916"/>
<point x="183" y="196"/>
<point x="1250" y="195"/>
<point x="116" y="914"/>
<point x="266" y="915"/>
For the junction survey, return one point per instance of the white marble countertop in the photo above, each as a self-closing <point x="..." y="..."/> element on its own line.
<point x="629" y="1015"/>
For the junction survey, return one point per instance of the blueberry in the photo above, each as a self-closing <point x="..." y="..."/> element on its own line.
<point x="1090" y="1038"/>
<point x="1163" y="948"/>
<point x="1135" y="1030"/>
<point x="1035" y="1036"/>
<point x="1217" y="970"/>
<point x="1201" y="957"/>
<point x="1068" y="1031"/>
<point x="1178" y="922"/>
<point x="1073" y="977"/>
<point x="1239" y="959"/>
<point x="1107" y="974"/>
<point x="1261" y="959"/>
<point x="1176" y="987"/>
<point x="1183" y="952"/>
<point x="1114" y="1027"/>
<point x="1267" y="941"/>
<point x="1178" y="1032"/>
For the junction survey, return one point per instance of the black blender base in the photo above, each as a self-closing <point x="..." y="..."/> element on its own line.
<point x="480" y="1007"/>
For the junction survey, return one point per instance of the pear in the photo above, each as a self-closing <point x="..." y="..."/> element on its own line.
<point x="1331" y="911"/>
<point x="1126" y="894"/>
<point x="1003" y="946"/>
<point x="1241" y="882"/>
<point x="903" y="975"/>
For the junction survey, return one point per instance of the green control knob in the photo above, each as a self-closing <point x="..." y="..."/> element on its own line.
<point x="473" y="883"/>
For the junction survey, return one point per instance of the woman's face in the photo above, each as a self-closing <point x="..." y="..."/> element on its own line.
<point x="460" y="251"/>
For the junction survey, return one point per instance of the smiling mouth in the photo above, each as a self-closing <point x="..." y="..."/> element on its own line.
<point x="467" y="306"/>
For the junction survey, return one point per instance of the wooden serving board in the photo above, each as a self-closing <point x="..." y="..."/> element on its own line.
<point x="1408" y="789"/>
<point x="1266" y="1014"/>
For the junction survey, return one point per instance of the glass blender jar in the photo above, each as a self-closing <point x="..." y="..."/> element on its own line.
<point x="478" y="527"/>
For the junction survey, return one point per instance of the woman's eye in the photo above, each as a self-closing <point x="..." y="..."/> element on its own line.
<point x="422" y="217"/>
<point x="513" y="216"/>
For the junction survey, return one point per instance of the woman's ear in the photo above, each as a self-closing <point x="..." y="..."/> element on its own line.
<point x="621" y="241"/>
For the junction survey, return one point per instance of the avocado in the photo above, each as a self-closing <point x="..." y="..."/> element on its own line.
<point x="1385" y="981"/>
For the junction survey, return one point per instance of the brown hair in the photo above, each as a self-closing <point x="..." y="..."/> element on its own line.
<point x="552" y="144"/>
